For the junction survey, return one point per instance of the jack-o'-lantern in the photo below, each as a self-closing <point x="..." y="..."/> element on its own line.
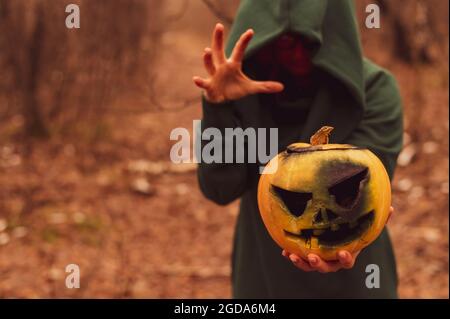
<point x="321" y="198"/>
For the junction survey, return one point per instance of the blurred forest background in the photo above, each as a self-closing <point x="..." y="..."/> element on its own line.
<point x="85" y="117"/>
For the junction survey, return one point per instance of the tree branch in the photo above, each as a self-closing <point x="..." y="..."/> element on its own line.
<point x="217" y="12"/>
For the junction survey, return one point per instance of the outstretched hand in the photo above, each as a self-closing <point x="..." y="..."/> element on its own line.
<point x="345" y="260"/>
<point x="226" y="80"/>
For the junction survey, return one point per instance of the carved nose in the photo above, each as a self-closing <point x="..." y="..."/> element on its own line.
<point x="324" y="215"/>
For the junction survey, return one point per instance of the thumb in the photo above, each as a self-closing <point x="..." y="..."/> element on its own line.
<point x="265" y="87"/>
<point x="346" y="259"/>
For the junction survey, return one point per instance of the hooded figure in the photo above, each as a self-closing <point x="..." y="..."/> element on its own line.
<point x="329" y="83"/>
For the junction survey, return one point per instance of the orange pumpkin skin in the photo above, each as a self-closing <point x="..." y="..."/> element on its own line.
<point x="324" y="198"/>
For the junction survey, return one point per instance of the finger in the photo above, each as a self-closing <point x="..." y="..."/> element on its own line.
<point x="346" y="259"/>
<point x="300" y="263"/>
<point x="217" y="44"/>
<point x="201" y="83"/>
<point x="266" y="87"/>
<point x="285" y="254"/>
<point x="208" y="61"/>
<point x="241" y="46"/>
<point x="391" y="210"/>
<point x="322" y="266"/>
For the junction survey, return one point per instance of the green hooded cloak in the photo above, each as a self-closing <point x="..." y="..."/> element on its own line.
<point x="358" y="98"/>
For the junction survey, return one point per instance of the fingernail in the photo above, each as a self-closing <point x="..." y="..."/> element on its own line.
<point x="294" y="259"/>
<point x="343" y="254"/>
<point x="312" y="259"/>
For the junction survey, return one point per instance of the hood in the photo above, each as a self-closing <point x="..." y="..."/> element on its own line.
<point x="331" y="25"/>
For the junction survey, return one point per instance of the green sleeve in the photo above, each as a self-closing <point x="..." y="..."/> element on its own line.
<point x="381" y="129"/>
<point x="220" y="182"/>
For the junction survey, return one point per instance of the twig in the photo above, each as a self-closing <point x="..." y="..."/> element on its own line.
<point x="178" y="15"/>
<point x="152" y="97"/>
<point x="217" y="12"/>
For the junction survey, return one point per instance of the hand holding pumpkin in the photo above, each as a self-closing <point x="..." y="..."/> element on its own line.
<point x="314" y="263"/>
<point x="226" y="80"/>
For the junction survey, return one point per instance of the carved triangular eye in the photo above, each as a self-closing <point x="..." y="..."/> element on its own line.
<point x="347" y="191"/>
<point x="295" y="201"/>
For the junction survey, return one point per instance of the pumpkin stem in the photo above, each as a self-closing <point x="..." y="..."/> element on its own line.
<point x="321" y="136"/>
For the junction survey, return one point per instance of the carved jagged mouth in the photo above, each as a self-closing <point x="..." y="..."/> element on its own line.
<point x="336" y="234"/>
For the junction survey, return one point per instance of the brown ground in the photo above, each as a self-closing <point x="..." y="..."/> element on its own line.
<point x="68" y="202"/>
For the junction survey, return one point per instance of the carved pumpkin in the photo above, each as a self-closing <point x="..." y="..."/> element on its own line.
<point x="322" y="198"/>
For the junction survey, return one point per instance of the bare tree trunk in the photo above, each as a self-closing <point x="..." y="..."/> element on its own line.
<point x="24" y="37"/>
<point x="34" y="124"/>
<point x="413" y="23"/>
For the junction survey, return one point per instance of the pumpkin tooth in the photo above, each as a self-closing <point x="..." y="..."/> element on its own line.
<point x="334" y="227"/>
<point x="318" y="232"/>
<point x="314" y="242"/>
